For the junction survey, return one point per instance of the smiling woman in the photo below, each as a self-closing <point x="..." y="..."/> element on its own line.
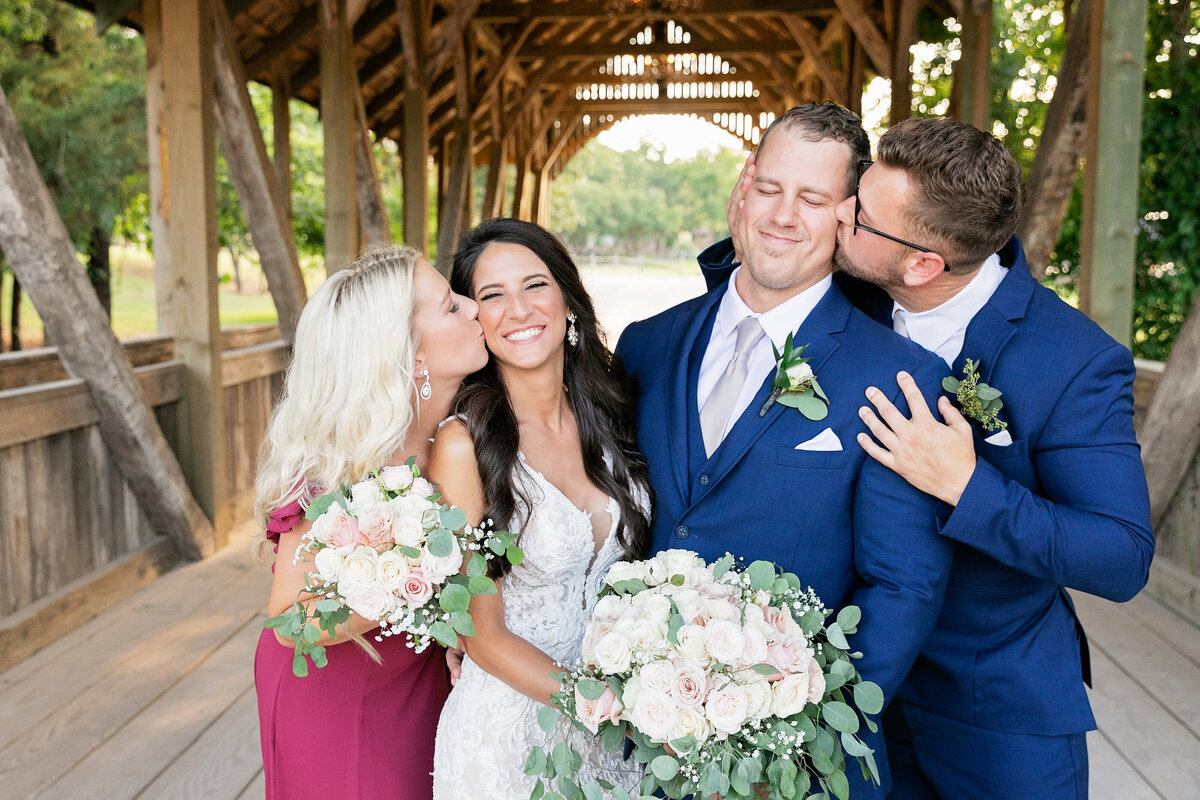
<point x="542" y="446"/>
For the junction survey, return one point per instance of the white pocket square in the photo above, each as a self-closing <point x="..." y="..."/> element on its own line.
<point x="1002" y="439"/>
<point x="826" y="440"/>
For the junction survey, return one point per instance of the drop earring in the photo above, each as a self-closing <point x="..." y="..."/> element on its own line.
<point x="426" y="390"/>
<point x="572" y="334"/>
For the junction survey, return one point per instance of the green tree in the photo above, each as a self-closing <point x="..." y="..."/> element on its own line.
<point x="81" y="101"/>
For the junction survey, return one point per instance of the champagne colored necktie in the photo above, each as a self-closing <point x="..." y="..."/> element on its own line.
<point x="714" y="417"/>
<point x="899" y="325"/>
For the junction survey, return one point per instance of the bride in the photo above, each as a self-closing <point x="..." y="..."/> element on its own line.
<point x="541" y="445"/>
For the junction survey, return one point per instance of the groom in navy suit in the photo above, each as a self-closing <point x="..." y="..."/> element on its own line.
<point x="733" y="471"/>
<point x="995" y="704"/>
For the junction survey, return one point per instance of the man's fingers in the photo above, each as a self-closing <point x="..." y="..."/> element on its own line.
<point x="891" y="415"/>
<point x="883" y="433"/>
<point x="875" y="451"/>
<point x="953" y="416"/>
<point x="916" y="401"/>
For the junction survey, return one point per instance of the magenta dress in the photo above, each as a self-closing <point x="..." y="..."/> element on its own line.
<point x="353" y="729"/>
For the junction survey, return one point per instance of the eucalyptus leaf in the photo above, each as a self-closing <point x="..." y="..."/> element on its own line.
<point x="536" y="761"/>
<point x="816" y="387"/>
<point x="854" y="746"/>
<point x="836" y="637"/>
<point x="441" y="543"/>
<point x="950" y="384"/>
<point x="722" y="565"/>
<point x="839" y="785"/>
<point x="839" y="716"/>
<point x="481" y="584"/>
<point x="476" y="565"/>
<point x="326" y="605"/>
<point x="762" y="575"/>
<point x="592" y="791"/>
<point x="454" y="597"/>
<point x="591" y="690"/>
<point x="299" y="666"/>
<point x="547" y="718"/>
<point x="453" y="518"/>
<point x="791" y="399"/>
<point x="443" y="634"/>
<point x="848" y="618"/>
<point x="868" y="697"/>
<point x="462" y="623"/>
<point x="320" y="505"/>
<point x="673" y="627"/>
<point x="987" y="393"/>
<point x="811" y="407"/>
<point x="664" y="767"/>
<point x="514" y="554"/>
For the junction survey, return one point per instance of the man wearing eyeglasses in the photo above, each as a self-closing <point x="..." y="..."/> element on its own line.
<point x="1044" y="492"/>
<point x="733" y="470"/>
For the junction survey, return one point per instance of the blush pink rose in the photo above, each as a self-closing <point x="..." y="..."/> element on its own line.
<point x="690" y="686"/>
<point x="816" y="682"/>
<point x="416" y="588"/>
<point x="788" y="657"/>
<point x="605" y="708"/>
<point x="342" y="529"/>
<point x="375" y="524"/>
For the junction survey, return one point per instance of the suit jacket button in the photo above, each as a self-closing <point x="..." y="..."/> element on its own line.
<point x="704" y="480"/>
<point x="681" y="532"/>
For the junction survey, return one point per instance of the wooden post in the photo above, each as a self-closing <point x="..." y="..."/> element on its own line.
<point x="450" y="212"/>
<point x="415" y="157"/>
<point x="902" y="40"/>
<point x="372" y="214"/>
<point x="540" y="212"/>
<point x="972" y="79"/>
<point x="1114" y="135"/>
<point x="1056" y="163"/>
<point x="43" y="259"/>
<point x="190" y="197"/>
<point x="337" y="119"/>
<point x="254" y="178"/>
<point x="520" y="203"/>
<point x="493" y="193"/>
<point x="854" y="75"/>
<point x="156" y="144"/>
<point x="281" y="113"/>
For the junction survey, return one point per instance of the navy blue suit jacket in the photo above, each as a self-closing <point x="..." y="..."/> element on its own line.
<point x="847" y="526"/>
<point x="1064" y="505"/>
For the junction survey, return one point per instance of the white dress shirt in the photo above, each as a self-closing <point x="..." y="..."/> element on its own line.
<point x="943" y="329"/>
<point x="777" y="323"/>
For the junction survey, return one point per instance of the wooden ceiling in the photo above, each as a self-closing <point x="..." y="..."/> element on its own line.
<point x="537" y="65"/>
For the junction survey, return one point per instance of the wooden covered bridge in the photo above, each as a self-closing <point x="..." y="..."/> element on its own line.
<point x="128" y="604"/>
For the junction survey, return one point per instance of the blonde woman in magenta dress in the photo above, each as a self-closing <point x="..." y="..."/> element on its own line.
<point x="380" y="350"/>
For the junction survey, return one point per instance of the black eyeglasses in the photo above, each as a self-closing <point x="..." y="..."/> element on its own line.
<point x="862" y="167"/>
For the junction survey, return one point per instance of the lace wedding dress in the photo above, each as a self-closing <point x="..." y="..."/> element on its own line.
<point x="487" y="729"/>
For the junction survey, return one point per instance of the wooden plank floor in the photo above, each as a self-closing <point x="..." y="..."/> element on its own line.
<point x="155" y="698"/>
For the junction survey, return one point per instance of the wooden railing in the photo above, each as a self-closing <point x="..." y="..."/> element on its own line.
<point x="66" y="513"/>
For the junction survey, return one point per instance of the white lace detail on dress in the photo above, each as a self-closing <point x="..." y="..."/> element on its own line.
<point x="487" y="729"/>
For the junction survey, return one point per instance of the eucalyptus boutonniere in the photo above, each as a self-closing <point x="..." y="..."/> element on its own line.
<point x="976" y="400"/>
<point x="795" y="385"/>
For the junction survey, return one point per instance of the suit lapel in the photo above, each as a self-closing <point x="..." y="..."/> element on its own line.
<point x="992" y="327"/>
<point x="691" y="331"/>
<point x="820" y="331"/>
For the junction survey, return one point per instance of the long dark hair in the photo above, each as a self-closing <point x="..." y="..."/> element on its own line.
<point x="598" y="394"/>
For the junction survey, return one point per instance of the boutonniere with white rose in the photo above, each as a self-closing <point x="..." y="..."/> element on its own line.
<point x="976" y="400"/>
<point x="795" y="385"/>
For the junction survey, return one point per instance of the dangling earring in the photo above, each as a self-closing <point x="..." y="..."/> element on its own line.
<point x="426" y="390"/>
<point x="572" y="334"/>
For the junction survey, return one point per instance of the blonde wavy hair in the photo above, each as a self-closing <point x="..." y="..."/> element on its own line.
<point x="348" y="396"/>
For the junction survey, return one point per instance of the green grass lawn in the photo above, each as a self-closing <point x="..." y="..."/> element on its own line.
<point x="134" y="305"/>
<point x="134" y="311"/>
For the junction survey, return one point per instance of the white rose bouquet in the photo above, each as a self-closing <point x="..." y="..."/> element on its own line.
<point x="728" y="682"/>
<point x="389" y="550"/>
